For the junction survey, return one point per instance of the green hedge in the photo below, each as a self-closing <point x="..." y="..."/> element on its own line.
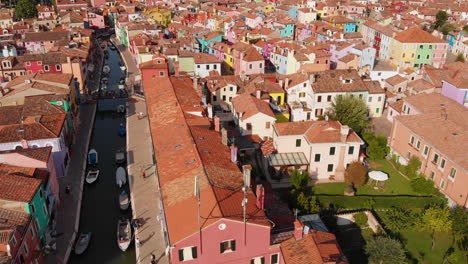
<point x="378" y="202"/>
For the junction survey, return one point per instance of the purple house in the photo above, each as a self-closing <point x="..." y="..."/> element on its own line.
<point x="338" y="51"/>
<point x="456" y="88"/>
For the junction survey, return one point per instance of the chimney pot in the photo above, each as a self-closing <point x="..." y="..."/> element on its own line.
<point x="224" y="137"/>
<point x="217" y="126"/>
<point x="246" y="169"/>
<point x="298" y="229"/>
<point x="258" y="94"/>
<point x="344" y="131"/>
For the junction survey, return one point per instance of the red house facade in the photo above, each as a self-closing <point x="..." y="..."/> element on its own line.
<point x="39" y="63"/>
<point x="156" y="68"/>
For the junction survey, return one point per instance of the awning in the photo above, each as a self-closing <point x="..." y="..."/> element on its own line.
<point x="287" y="159"/>
<point x="378" y="175"/>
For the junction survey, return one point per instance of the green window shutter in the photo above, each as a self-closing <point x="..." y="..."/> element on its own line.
<point x="221" y="247"/>
<point x="194" y="252"/>
<point x="181" y="255"/>
<point x="233" y="245"/>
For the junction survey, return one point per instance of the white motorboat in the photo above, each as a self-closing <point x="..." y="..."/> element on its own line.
<point x="124" y="200"/>
<point x="121" y="109"/>
<point x="120" y="157"/>
<point x="121" y="176"/>
<point x="112" y="47"/>
<point x="105" y="80"/>
<point x="82" y="243"/>
<point x="92" y="157"/>
<point x="106" y="68"/>
<point x="124" y="234"/>
<point x="92" y="176"/>
<point x="123" y="68"/>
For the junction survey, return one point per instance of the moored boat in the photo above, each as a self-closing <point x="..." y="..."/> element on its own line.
<point x="92" y="175"/>
<point x="120" y="157"/>
<point x="92" y="157"/>
<point x="124" y="234"/>
<point x="122" y="130"/>
<point x="124" y="200"/>
<point x="120" y="176"/>
<point x="82" y="243"/>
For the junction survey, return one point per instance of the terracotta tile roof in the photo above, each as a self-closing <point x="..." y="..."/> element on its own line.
<point x="420" y="85"/>
<point x="176" y="176"/>
<point x="249" y="106"/>
<point x="395" y="80"/>
<point x="316" y="131"/>
<point x="14" y="218"/>
<point x="348" y="58"/>
<point x="18" y="188"/>
<point x="41" y="154"/>
<point x="334" y="81"/>
<point x="397" y="106"/>
<point x="202" y="58"/>
<point x="417" y="35"/>
<point x="63" y="36"/>
<point x="317" y="247"/>
<point x="374" y="87"/>
<point x="252" y="55"/>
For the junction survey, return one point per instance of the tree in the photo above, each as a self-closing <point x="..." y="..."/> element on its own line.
<point x="465" y="28"/>
<point x="360" y="219"/>
<point x="441" y="18"/>
<point x="383" y="249"/>
<point x="460" y="58"/>
<point x="376" y="146"/>
<point x="356" y="174"/>
<point x="446" y="28"/>
<point x="25" y="9"/>
<point x="398" y="219"/>
<point x="350" y="111"/>
<point x="459" y="217"/>
<point x="436" y="219"/>
<point x="411" y="169"/>
<point x="300" y="179"/>
<point x="423" y="186"/>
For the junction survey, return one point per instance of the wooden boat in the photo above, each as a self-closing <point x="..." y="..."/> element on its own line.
<point x="120" y="176"/>
<point x="124" y="200"/>
<point x="106" y="68"/>
<point x="92" y="175"/>
<point x="82" y="243"/>
<point x="124" y="234"/>
<point x="120" y="157"/>
<point x="92" y="157"/>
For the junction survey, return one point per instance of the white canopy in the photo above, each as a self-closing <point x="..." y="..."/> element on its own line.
<point x="378" y="175"/>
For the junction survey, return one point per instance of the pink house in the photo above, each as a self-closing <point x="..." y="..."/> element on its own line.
<point x="248" y="61"/>
<point x="253" y="21"/>
<point x="43" y="42"/>
<point x="98" y="3"/>
<point x="439" y="56"/>
<point x="95" y="20"/>
<point x="44" y="11"/>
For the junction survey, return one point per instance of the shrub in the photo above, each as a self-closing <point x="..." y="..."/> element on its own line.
<point x="299" y="179"/>
<point x="411" y="170"/>
<point x="360" y="219"/>
<point x="356" y="174"/>
<point x="423" y="186"/>
<point x="398" y="219"/>
<point x="378" y="202"/>
<point x="382" y="249"/>
<point x="376" y="146"/>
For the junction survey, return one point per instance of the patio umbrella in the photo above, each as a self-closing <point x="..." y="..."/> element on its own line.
<point x="378" y="176"/>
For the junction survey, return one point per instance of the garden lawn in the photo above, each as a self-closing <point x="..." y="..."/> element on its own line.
<point x="335" y="188"/>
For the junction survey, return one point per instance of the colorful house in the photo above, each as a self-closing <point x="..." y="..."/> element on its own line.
<point x="156" y="68"/>
<point x="30" y="198"/>
<point x="20" y="242"/>
<point x="415" y="47"/>
<point x="160" y="15"/>
<point x="207" y="38"/>
<point x="284" y="27"/>
<point x="348" y="25"/>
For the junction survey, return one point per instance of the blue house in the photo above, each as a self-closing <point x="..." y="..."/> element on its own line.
<point x="348" y="25"/>
<point x="285" y="28"/>
<point x="452" y="35"/>
<point x="205" y="39"/>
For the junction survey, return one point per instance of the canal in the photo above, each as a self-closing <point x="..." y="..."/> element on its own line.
<point x="100" y="207"/>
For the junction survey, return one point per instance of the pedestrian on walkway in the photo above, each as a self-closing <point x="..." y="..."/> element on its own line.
<point x="143" y="174"/>
<point x="67" y="189"/>
<point x="153" y="259"/>
<point x="137" y="242"/>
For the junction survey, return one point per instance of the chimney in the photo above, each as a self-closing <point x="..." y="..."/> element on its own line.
<point x="233" y="154"/>
<point x="209" y="109"/>
<point x="312" y="78"/>
<point x="258" y="94"/>
<point x="344" y="131"/>
<point x="298" y="229"/>
<point x="195" y="83"/>
<point x="216" y="123"/>
<point x="24" y="143"/>
<point x="246" y="169"/>
<point x="176" y="69"/>
<point x="280" y="82"/>
<point x="224" y="136"/>
<point x="341" y="36"/>
<point x="286" y="83"/>
<point x="260" y="192"/>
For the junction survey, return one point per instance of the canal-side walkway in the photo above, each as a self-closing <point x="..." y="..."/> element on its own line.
<point x="145" y="194"/>
<point x="68" y="214"/>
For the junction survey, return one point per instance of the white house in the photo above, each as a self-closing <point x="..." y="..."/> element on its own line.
<point x="205" y="63"/>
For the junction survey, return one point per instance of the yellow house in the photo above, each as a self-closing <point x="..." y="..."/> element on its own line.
<point x="268" y="8"/>
<point x="160" y="15"/>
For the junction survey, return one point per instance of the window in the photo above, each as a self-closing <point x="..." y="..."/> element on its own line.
<point x="379" y="98"/>
<point x="427" y="57"/>
<point x="28" y="63"/>
<point x="261" y="65"/>
<point x="318" y="112"/>
<point x="215" y="98"/>
<point x="442" y="184"/>
<point x="207" y="66"/>
<point x="436" y="158"/>
<point x="161" y="73"/>
<point x="411" y="140"/>
<point x="298" y="142"/>
<point x="377" y="110"/>
<point x="370" y="99"/>
<point x="418" y="144"/>
<point x="317" y="158"/>
<point x="404" y="55"/>
<point x="231" y="88"/>
<point x="258" y="260"/>
<point x="453" y="173"/>
<point x="227" y="246"/>
<point x="215" y="66"/>
<point x="329" y="98"/>
<point x="187" y="253"/>
<point x="319" y="99"/>
<point x="26" y="249"/>
<point x="350" y="150"/>
<point x="274" y="259"/>
<point x="332" y="151"/>
<point x="41" y="194"/>
<point x="13" y="240"/>
<point x="250" y="66"/>
<point x="249" y="126"/>
<point x="301" y="95"/>
<point x="432" y="175"/>
<point x="198" y="66"/>
<point x="420" y="46"/>
<point x="33" y="210"/>
<point x="426" y="150"/>
<point x="224" y="98"/>
<point x="430" y="46"/>
<point x="267" y="125"/>
<point x="442" y="163"/>
<point x="330" y="167"/>
<point x="44" y="209"/>
<point x="46" y="68"/>
<point x="31" y="231"/>
<point x="419" y="57"/>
